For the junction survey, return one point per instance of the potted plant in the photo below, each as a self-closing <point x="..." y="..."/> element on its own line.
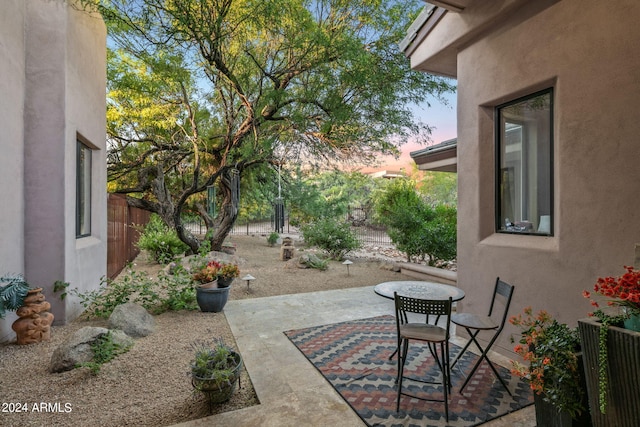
<point x="215" y="370"/>
<point x="34" y="322"/>
<point x="611" y="346"/>
<point x="554" y="369"/>
<point x="227" y="272"/>
<point x="622" y="291"/>
<point x="210" y="296"/>
<point x="206" y="275"/>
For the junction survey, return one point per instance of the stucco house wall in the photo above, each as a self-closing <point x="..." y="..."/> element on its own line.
<point x="11" y="147"/>
<point x="55" y="77"/>
<point x="587" y="51"/>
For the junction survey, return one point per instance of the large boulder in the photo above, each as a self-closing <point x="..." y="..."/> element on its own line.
<point x="77" y="348"/>
<point x="133" y="319"/>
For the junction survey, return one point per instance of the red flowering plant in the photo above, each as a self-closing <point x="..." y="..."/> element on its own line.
<point x="207" y="272"/>
<point x="549" y="348"/>
<point x="622" y="291"/>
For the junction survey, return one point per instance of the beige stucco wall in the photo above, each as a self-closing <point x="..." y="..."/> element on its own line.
<point x="11" y="137"/>
<point x="588" y="51"/>
<point x="86" y="79"/>
<point x="61" y="82"/>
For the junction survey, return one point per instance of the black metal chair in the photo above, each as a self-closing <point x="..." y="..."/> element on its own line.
<point x="474" y="324"/>
<point x="435" y="336"/>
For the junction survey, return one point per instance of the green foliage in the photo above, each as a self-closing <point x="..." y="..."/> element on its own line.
<point x="60" y="286"/>
<point x="167" y="292"/>
<point x="329" y="194"/>
<point x="332" y="236"/>
<point x="104" y="350"/>
<point x="272" y="239"/>
<point x="13" y="290"/>
<point x="314" y="261"/>
<point x="214" y="361"/>
<point x="198" y="87"/>
<point x="415" y="227"/>
<point x="550" y="349"/>
<point x="161" y="241"/>
<point x="603" y="355"/>
<point x="178" y="294"/>
<point x="439" y="188"/>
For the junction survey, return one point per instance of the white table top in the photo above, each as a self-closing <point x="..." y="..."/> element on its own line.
<point x="419" y="289"/>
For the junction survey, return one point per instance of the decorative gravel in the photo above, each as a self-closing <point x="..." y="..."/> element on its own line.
<point x="150" y="385"/>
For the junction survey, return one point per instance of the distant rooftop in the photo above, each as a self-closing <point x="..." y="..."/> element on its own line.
<point x="388" y="174"/>
<point x="441" y="157"/>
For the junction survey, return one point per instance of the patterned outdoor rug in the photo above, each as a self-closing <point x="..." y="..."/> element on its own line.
<point x="354" y="357"/>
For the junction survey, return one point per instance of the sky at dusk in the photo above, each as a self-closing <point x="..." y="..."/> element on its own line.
<point x="438" y="116"/>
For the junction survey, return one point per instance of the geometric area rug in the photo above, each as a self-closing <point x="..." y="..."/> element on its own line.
<point x="353" y="357"/>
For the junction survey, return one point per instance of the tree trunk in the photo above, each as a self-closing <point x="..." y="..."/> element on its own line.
<point x="228" y="213"/>
<point x="166" y="209"/>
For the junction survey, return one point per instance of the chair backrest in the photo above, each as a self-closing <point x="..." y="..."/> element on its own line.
<point x="504" y="290"/>
<point x="405" y="305"/>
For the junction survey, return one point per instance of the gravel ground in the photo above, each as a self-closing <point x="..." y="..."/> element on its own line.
<point x="150" y="385"/>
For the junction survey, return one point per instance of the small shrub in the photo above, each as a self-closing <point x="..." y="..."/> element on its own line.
<point x="180" y="293"/>
<point x="334" y="237"/>
<point x="415" y="227"/>
<point x="104" y="350"/>
<point x="273" y="238"/>
<point x="167" y="292"/>
<point x="161" y="241"/>
<point x="314" y="261"/>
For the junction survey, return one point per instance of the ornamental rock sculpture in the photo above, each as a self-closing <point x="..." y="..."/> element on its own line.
<point x="34" y="324"/>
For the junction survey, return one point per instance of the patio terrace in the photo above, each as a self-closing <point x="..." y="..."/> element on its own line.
<point x="291" y="391"/>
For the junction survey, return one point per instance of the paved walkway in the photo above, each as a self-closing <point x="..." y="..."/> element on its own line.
<point x="290" y="390"/>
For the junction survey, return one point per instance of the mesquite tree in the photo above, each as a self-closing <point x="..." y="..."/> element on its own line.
<point x="201" y="90"/>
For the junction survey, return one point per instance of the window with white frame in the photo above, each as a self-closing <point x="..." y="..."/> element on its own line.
<point x="83" y="189"/>
<point x="524" y="155"/>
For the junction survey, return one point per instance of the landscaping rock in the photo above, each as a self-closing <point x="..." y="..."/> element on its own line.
<point x="308" y="260"/>
<point x="77" y="348"/>
<point x="133" y="319"/>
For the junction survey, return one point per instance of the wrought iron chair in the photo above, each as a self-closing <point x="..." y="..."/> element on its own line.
<point x="474" y="324"/>
<point x="435" y="336"/>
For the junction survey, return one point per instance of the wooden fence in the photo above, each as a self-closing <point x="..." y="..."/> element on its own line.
<point x="122" y="237"/>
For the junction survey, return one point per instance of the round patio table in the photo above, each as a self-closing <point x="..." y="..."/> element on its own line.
<point x="419" y="289"/>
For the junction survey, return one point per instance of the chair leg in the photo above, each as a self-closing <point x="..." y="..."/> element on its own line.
<point x="400" y="359"/>
<point x="466" y="346"/>
<point x="484" y="355"/>
<point x="402" y="356"/>
<point x="446" y="380"/>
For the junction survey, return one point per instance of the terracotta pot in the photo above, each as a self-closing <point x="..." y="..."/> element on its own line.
<point x="209" y="285"/>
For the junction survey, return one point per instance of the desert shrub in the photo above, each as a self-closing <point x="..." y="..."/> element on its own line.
<point x="314" y="261"/>
<point x="415" y="227"/>
<point x="272" y="239"/>
<point x="161" y="241"/>
<point x="332" y="236"/>
<point x="167" y="292"/>
<point x="104" y="350"/>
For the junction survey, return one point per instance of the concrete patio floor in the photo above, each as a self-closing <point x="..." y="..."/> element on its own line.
<point x="291" y="391"/>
